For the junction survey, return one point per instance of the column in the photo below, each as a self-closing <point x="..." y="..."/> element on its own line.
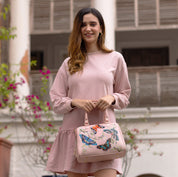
<point x="107" y="9"/>
<point x="19" y="48"/>
<point x="1" y="4"/>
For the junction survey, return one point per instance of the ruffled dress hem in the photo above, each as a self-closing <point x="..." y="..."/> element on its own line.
<point x="62" y="157"/>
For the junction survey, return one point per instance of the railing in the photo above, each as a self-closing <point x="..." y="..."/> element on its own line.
<point x="151" y="86"/>
<point x="154" y="86"/>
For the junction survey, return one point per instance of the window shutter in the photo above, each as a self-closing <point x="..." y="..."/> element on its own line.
<point x="125" y="13"/>
<point x="41" y="15"/>
<point x="168" y="12"/>
<point x="79" y="4"/>
<point x="61" y="15"/>
<point x="147" y="12"/>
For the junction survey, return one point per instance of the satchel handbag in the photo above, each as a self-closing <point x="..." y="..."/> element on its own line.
<point x="99" y="142"/>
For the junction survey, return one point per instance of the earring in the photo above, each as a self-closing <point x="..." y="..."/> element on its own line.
<point x="99" y="35"/>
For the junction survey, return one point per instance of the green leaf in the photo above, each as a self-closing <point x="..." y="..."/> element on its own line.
<point x="33" y="63"/>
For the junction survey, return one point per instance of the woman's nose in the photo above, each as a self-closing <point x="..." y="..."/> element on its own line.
<point x="88" y="28"/>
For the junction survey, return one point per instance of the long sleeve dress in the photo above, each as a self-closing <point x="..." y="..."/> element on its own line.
<point x="103" y="74"/>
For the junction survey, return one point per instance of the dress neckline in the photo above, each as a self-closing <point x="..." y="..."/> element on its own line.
<point x="91" y="53"/>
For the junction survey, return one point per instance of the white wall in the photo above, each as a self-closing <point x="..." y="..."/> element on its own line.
<point x="162" y="126"/>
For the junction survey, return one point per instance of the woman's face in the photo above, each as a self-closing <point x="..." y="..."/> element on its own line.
<point x="90" y="29"/>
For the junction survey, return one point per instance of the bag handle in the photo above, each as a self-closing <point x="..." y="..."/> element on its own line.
<point x="86" y="122"/>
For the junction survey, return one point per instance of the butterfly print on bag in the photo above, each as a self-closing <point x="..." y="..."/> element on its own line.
<point x="105" y="146"/>
<point x="113" y="133"/>
<point x="95" y="128"/>
<point x="86" y="140"/>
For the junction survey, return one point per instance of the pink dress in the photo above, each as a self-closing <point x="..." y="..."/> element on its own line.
<point x="103" y="74"/>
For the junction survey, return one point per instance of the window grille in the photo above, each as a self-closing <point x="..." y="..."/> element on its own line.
<point x="168" y="12"/>
<point x="51" y="16"/>
<point x="146" y="14"/>
<point x="79" y="4"/>
<point x="125" y="13"/>
<point x="61" y="15"/>
<point x="41" y="15"/>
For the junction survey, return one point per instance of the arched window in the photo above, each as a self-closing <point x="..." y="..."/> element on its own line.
<point x="149" y="175"/>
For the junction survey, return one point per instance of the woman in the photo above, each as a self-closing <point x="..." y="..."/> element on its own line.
<point x="92" y="79"/>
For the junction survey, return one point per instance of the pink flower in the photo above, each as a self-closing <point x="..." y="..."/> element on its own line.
<point x="47" y="149"/>
<point x="135" y="147"/>
<point x="39" y="108"/>
<point x="138" y="153"/>
<point x="50" y="125"/>
<point x="37" y="116"/>
<point x="29" y="99"/>
<point x="22" y="80"/>
<point x="132" y="136"/>
<point x="48" y="104"/>
<point x="5" y="99"/>
<point x="18" y="83"/>
<point x="0" y="105"/>
<point x="42" y="140"/>
<point x="5" y="79"/>
<point x="17" y="97"/>
<point x="136" y="130"/>
<point x="28" y="122"/>
<point x="48" y="71"/>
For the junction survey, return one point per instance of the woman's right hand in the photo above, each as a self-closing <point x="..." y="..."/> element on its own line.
<point x="87" y="105"/>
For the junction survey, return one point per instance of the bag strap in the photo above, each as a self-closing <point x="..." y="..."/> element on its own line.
<point x="86" y="122"/>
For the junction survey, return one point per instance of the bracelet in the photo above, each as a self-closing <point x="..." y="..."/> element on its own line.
<point x="72" y="106"/>
<point x="113" y="102"/>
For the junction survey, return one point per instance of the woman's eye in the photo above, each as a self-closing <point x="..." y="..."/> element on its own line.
<point x="83" y="24"/>
<point x="93" y="24"/>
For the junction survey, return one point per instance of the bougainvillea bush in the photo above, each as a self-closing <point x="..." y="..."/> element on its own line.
<point x="35" y="114"/>
<point x="37" y="118"/>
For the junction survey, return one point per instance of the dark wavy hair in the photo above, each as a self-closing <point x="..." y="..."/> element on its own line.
<point x="76" y="49"/>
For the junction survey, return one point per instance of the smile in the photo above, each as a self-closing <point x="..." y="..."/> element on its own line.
<point x="88" y="34"/>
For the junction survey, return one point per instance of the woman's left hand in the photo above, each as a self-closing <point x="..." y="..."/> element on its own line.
<point x="104" y="102"/>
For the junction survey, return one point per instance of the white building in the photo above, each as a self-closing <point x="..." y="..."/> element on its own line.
<point x="146" y="32"/>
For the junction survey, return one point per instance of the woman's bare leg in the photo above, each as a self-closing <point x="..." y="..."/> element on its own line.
<point x="106" y="173"/>
<point x="71" y="174"/>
